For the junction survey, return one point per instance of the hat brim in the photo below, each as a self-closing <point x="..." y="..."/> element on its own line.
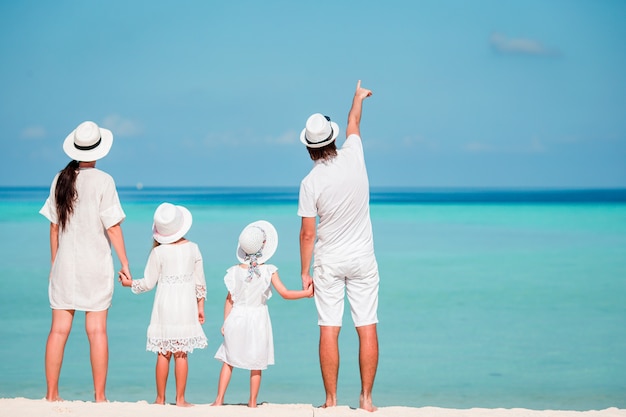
<point x="99" y="152"/>
<point x="271" y="242"/>
<point x="187" y="221"/>
<point x="335" y="127"/>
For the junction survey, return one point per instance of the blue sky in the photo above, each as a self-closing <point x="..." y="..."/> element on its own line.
<point x="485" y="93"/>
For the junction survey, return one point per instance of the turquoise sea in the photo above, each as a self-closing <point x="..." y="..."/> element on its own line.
<point x="488" y="298"/>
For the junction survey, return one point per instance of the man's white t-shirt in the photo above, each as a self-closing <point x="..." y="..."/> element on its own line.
<point x="338" y="192"/>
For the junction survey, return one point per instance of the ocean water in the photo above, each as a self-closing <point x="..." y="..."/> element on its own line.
<point x="488" y="298"/>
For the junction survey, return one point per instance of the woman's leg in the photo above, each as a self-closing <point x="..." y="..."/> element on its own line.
<point x="96" y="327"/>
<point x="162" y="371"/>
<point x="255" y="384"/>
<point x="181" y="369"/>
<point x="55" y="347"/>
<point x="225" y="375"/>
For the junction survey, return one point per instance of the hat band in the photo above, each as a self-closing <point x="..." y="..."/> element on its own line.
<point x="317" y="143"/>
<point x="88" y="148"/>
<point x="252" y="258"/>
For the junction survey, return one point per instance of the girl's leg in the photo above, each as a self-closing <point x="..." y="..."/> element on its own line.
<point x="55" y="346"/>
<point x="225" y="375"/>
<point x="162" y="370"/>
<point x="181" y="370"/>
<point x="96" y="327"/>
<point x="255" y="384"/>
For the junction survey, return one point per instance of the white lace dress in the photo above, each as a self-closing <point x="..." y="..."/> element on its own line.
<point x="248" y="340"/>
<point x="179" y="272"/>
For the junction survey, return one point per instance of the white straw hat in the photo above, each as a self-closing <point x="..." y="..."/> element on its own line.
<point x="259" y="238"/>
<point x="88" y="142"/>
<point x="319" y="131"/>
<point x="170" y="223"/>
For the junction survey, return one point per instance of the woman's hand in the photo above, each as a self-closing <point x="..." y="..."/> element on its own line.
<point x="125" y="279"/>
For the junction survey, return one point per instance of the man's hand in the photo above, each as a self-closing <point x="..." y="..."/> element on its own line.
<point x="354" y="116"/>
<point x="361" y="92"/>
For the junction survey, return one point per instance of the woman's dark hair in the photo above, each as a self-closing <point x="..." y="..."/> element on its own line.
<point x="325" y="152"/>
<point x="65" y="193"/>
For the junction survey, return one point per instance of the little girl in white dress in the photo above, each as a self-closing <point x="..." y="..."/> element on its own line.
<point x="247" y="330"/>
<point x="175" y="329"/>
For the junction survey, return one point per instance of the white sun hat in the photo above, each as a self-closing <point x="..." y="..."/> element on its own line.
<point x="88" y="142"/>
<point x="258" y="238"/>
<point x="319" y="131"/>
<point x="170" y="223"/>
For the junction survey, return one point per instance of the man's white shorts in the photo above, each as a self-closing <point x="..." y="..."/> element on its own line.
<point x="356" y="277"/>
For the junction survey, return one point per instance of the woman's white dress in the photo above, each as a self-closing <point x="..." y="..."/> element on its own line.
<point x="82" y="276"/>
<point x="248" y="340"/>
<point x="174" y="324"/>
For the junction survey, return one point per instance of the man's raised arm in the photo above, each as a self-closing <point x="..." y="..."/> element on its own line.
<point x="354" y="116"/>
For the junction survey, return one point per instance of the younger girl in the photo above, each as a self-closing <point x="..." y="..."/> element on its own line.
<point x="175" y="328"/>
<point x="247" y="330"/>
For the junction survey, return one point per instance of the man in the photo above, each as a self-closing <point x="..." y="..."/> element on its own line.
<point x="337" y="191"/>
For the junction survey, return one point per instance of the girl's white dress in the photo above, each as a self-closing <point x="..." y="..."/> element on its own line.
<point x="82" y="275"/>
<point x="174" y="325"/>
<point x="248" y="340"/>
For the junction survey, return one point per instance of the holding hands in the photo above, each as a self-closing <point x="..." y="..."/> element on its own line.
<point x="125" y="278"/>
<point x="308" y="291"/>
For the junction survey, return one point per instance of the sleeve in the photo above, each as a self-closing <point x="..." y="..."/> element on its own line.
<point x="151" y="274"/>
<point x="306" y="201"/>
<point x="111" y="212"/>
<point x="353" y="142"/>
<point x="353" y="149"/>
<point x="49" y="209"/>
<point x="270" y="271"/>
<point x="230" y="281"/>
<point x="198" y="274"/>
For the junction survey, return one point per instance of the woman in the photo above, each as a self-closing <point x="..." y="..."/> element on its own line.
<point x="85" y="216"/>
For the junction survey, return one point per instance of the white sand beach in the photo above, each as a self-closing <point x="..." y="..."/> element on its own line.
<point x="22" y="407"/>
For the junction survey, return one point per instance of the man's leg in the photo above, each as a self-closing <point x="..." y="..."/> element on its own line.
<point x="329" y="362"/>
<point x="368" y="363"/>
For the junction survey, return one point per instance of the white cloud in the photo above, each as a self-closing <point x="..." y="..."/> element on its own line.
<point x="419" y="142"/>
<point x="248" y="138"/>
<point x="521" y="46"/>
<point x="120" y="126"/>
<point x="533" y="146"/>
<point x="33" y="132"/>
<point x="286" y="138"/>
<point x="214" y="140"/>
<point x="478" y="147"/>
<point x="536" y="146"/>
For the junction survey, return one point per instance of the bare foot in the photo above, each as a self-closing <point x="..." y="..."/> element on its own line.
<point x="217" y="404"/>
<point x="183" y="403"/>
<point x="252" y="404"/>
<point x="160" y="401"/>
<point x="55" y="399"/>
<point x="366" y="404"/>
